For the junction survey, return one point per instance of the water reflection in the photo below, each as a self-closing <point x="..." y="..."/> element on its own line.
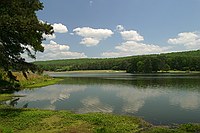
<point x="46" y="97"/>
<point x="93" y="104"/>
<point x="188" y="101"/>
<point x="135" y="99"/>
<point x="166" y="99"/>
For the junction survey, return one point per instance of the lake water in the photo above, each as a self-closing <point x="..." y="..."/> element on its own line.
<point x="158" y="98"/>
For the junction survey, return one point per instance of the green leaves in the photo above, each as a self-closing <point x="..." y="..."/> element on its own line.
<point x="20" y="32"/>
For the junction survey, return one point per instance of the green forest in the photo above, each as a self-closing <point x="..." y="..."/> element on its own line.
<point x="177" y="61"/>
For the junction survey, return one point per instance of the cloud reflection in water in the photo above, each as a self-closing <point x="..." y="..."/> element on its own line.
<point x="52" y="94"/>
<point x="93" y="104"/>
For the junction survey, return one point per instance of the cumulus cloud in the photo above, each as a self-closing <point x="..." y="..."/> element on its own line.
<point x="131" y="35"/>
<point x="92" y="37"/>
<point x="129" y="48"/>
<point x="89" y="41"/>
<point x="53" y="46"/>
<point x="59" y="28"/>
<point x="54" y="50"/>
<point x="132" y="45"/>
<point x="191" y="40"/>
<point x="138" y="48"/>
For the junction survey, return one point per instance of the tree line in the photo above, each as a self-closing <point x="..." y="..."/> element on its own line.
<point x="183" y="61"/>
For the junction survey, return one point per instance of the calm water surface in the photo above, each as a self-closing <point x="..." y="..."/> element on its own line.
<point x="160" y="99"/>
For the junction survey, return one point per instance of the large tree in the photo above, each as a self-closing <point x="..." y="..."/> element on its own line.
<point x="20" y="33"/>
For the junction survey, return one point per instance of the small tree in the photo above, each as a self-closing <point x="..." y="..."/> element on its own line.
<point x="20" y="33"/>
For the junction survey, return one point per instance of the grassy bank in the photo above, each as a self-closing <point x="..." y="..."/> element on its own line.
<point x="32" y="120"/>
<point x="35" y="80"/>
<point x="87" y="71"/>
<point x="5" y="97"/>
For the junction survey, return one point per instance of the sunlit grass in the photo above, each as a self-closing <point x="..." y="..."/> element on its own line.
<point x="46" y="121"/>
<point x="5" y="97"/>
<point x="27" y="120"/>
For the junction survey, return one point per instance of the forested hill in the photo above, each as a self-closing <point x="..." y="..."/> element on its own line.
<point x="189" y="60"/>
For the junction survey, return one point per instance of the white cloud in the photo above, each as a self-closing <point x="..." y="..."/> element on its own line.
<point x="49" y="37"/>
<point x="59" y="28"/>
<point x="92" y="36"/>
<point x="89" y="41"/>
<point x="54" y="50"/>
<point x="190" y="40"/>
<point x="131" y="35"/>
<point x="138" y="48"/>
<point x="132" y="45"/>
<point x="120" y="28"/>
<point x="135" y="48"/>
<point x="53" y="46"/>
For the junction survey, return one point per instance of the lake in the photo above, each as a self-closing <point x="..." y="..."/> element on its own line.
<point x="157" y="98"/>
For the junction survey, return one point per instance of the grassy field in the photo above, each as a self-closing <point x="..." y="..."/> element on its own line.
<point x="44" y="121"/>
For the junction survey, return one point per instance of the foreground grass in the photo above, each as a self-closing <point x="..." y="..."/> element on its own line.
<point x="31" y="120"/>
<point x="14" y="120"/>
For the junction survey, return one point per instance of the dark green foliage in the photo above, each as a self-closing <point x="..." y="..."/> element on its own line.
<point x="140" y="66"/>
<point x="20" y="32"/>
<point x="183" y="61"/>
<point x="85" y="64"/>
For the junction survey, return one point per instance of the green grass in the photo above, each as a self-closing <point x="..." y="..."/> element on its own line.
<point x="42" y="83"/>
<point x="35" y="80"/>
<point x="31" y="120"/>
<point x="14" y="120"/>
<point x="5" y="97"/>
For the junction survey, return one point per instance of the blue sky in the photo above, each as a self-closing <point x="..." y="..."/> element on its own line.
<point x="115" y="28"/>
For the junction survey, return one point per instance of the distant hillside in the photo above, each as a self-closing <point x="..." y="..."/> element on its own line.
<point x="189" y="60"/>
<point x="185" y="53"/>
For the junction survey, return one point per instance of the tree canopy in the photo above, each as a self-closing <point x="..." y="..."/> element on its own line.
<point x="183" y="61"/>
<point x="20" y="33"/>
